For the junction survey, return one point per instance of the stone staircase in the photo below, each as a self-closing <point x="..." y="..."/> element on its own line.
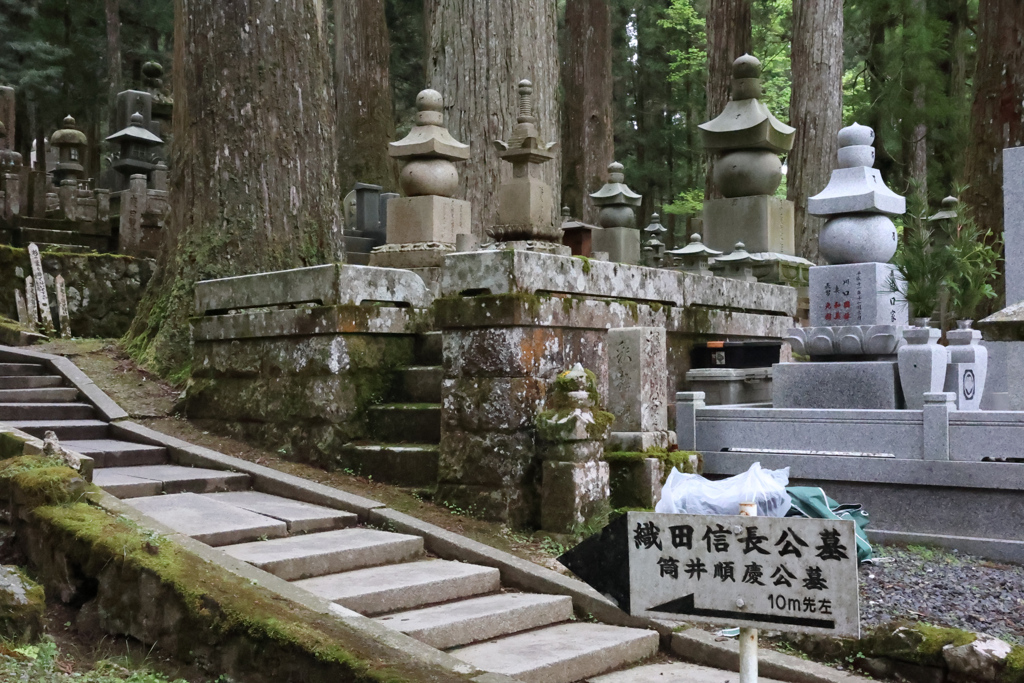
<point x="60" y="235"/>
<point x="455" y="606"/>
<point x="405" y="434"/>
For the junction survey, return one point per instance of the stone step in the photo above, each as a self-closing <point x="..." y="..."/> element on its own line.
<point x="299" y="517"/>
<point x="43" y="395"/>
<point x="356" y="258"/>
<point x="405" y="423"/>
<point x="429" y="349"/>
<point x="401" y="464"/>
<point x="207" y="520"/>
<point x="135" y="482"/>
<point x="673" y="672"/>
<point x="483" y="618"/>
<point x="422" y="383"/>
<point x="561" y="654"/>
<point x="358" y="245"/>
<point x="42" y="412"/>
<point x="114" y="453"/>
<point x="30" y="381"/>
<point x="66" y="430"/>
<point x="62" y="238"/>
<point x="404" y="586"/>
<point x="328" y="552"/>
<point x="22" y="369"/>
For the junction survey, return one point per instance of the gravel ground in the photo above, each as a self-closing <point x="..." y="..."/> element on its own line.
<point x="945" y="589"/>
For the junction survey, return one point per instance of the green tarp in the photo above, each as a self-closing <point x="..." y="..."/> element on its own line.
<point x="811" y="501"/>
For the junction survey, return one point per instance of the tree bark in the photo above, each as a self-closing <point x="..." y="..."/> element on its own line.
<point x="916" y="139"/>
<point x="997" y="114"/>
<point x="366" y="121"/>
<point x="113" y="12"/>
<point x="479" y="51"/>
<point x="254" y="182"/>
<point x="588" y="145"/>
<point x="729" y="37"/>
<point x="815" y="110"/>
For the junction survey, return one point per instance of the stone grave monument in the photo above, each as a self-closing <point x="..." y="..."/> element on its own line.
<point x="856" y="320"/>
<point x="618" y="236"/>
<point x="422" y="226"/>
<point x="526" y="203"/>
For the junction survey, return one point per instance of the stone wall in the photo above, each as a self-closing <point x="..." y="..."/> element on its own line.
<point x="103" y="289"/>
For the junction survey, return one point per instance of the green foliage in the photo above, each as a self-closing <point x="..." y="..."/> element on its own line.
<point x="975" y="266"/>
<point x="39" y="663"/>
<point x="921" y="266"/>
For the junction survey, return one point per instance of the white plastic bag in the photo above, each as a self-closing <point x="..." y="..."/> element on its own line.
<point x="693" y="494"/>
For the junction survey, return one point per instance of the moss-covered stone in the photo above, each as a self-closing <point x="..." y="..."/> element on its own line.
<point x="33" y="480"/>
<point x="1014" y="671"/>
<point x="22" y="604"/>
<point x="916" y="643"/>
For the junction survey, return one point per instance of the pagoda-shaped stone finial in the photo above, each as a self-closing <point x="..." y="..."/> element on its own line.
<point x="526" y="203"/>
<point x="422" y="226"/>
<point x="857" y="204"/>
<point x="948" y="210"/>
<point x="694" y="257"/>
<point x="748" y="137"/>
<point x="619" y="238"/>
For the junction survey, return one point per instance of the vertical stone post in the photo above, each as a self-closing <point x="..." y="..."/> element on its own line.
<point x="637" y="388"/>
<point x="937" y="407"/>
<point x="37" y="193"/>
<point x="159" y="177"/>
<point x="19" y="302"/>
<point x="133" y="203"/>
<point x="39" y="280"/>
<point x="12" y="185"/>
<point x="103" y="206"/>
<point x="67" y="194"/>
<point x="1013" y="250"/>
<point x="62" y="307"/>
<point x="687" y="405"/>
<point x="30" y="303"/>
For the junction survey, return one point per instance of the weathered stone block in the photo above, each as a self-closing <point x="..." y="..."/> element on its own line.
<point x="635" y="480"/>
<point x="637" y="394"/>
<point x="572" y="494"/>
<point x="503" y="352"/>
<point x="492" y="459"/>
<point x="506" y="505"/>
<point x="761" y="222"/>
<point x="572" y="451"/>
<point x="486" y="404"/>
<point x="621" y="244"/>
<point x="525" y="201"/>
<point x="22" y="605"/>
<point x="428" y="218"/>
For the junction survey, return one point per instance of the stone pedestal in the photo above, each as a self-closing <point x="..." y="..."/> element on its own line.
<point x="621" y="244"/>
<point x="429" y="218"/>
<point x="867" y="385"/>
<point x="855" y="294"/>
<point x="637" y="390"/>
<point x="573" y="493"/>
<point x="762" y="223"/>
<point x="525" y="201"/>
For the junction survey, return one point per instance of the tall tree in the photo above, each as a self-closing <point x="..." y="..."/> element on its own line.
<point x="113" y="15"/>
<point x="587" y="142"/>
<point x="254" y="185"/>
<point x="729" y="37"/>
<point x="816" y="110"/>
<point x="479" y="50"/>
<point x="997" y="115"/>
<point x="366" y="122"/>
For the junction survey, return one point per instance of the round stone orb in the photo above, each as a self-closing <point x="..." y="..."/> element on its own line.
<point x="856" y="134"/>
<point x="856" y="155"/>
<point x="858" y="238"/>
<point x="429" y="176"/>
<point x="747" y="172"/>
<point x="617" y="216"/>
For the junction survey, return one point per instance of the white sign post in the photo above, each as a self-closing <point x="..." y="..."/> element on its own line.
<point x="777" y="573"/>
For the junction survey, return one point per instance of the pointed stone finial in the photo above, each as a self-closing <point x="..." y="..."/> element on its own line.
<point x="655" y="228"/>
<point x="746" y="78"/>
<point x="616" y="200"/>
<point x="137" y="119"/>
<point x="948" y="210"/>
<point x="526" y="102"/>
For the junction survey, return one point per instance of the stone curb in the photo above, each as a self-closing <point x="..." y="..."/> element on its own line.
<point x="701" y="647"/>
<point x="34" y="446"/>
<point x="104" y="405"/>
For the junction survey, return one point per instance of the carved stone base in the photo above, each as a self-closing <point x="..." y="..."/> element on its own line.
<point x="542" y="246"/>
<point x="411" y="255"/>
<point x="848" y="340"/>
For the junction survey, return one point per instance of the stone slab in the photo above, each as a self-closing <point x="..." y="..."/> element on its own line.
<point x="177" y="479"/>
<point x="517" y="271"/>
<point x="675" y="672"/>
<point x="637" y="392"/>
<point x="855" y="294"/>
<point x="858" y="189"/>
<point x="123" y="486"/>
<point x="299" y="517"/>
<point x="329" y="285"/>
<point x="209" y="521"/>
<point x="763" y="223"/>
<point x="322" y="320"/>
<point x="621" y="244"/>
<point x="868" y="385"/>
<point x="483" y="618"/>
<point x="428" y="218"/>
<point x="377" y="590"/>
<point x="115" y="453"/>
<point x="562" y="654"/>
<point x="327" y="552"/>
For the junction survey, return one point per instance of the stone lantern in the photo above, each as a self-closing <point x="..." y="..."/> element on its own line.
<point x="694" y="257"/>
<point x="737" y="265"/>
<point x="654" y="247"/>
<point x="619" y="235"/>
<point x="137" y="146"/>
<point x="70" y="145"/>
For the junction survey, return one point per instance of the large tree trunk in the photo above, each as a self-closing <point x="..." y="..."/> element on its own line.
<point x="366" y="122"/>
<point x="113" y="12"/>
<point x="254" y="184"/>
<point x="915" y="140"/>
<point x="815" y="110"/>
<point x="587" y="143"/>
<point x="479" y="50"/>
<point x="729" y="37"/>
<point x="997" y="115"/>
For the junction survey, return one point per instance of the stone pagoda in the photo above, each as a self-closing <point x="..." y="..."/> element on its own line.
<point x="422" y="225"/>
<point x="747" y="170"/>
<point x="526" y="203"/>
<point x="619" y="236"/>
<point x="856" y="320"/>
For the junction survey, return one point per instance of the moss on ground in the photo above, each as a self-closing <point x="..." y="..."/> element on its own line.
<point x="1014" y="671"/>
